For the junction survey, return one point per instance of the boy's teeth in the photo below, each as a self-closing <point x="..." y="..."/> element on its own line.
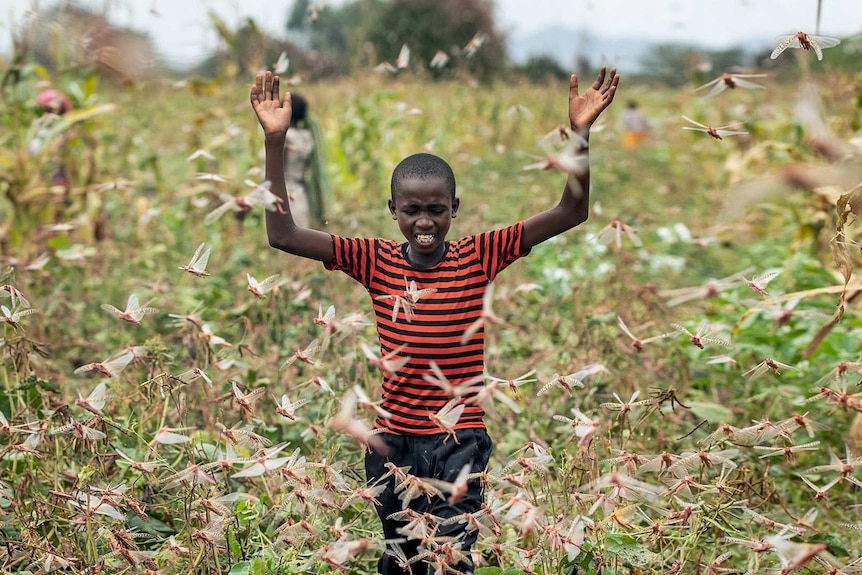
<point x="425" y="237"/>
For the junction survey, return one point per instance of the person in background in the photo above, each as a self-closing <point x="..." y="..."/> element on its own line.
<point x="635" y="127"/>
<point x="55" y="103"/>
<point x="304" y="174"/>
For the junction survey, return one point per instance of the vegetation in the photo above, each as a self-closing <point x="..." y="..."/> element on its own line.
<point x="323" y="41"/>
<point x="676" y="458"/>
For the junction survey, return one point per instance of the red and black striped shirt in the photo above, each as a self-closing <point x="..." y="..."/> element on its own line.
<point x="438" y="320"/>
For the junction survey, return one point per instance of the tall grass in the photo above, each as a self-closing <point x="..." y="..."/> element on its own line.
<point x="565" y="499"/>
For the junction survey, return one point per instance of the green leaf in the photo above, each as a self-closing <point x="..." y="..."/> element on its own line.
<point x="258" y="566"/>
<point x="615" y="540"/>
<point x="84" y="475"/>
<point x="487" y="571"/>
<point x="836" y="545"/>
<point x="241" y="568"/>
<point x="59" y="243"/>
<point x="634" y="554"/>
<point x="711" y="411"/>
<point x="75" y="116"/>
<point x="151" y="525"/>
<point x="32" y="382"/>
<point x="602" y="318"/>
<point x="631" y="552"/>
<point x="235" y="548"/>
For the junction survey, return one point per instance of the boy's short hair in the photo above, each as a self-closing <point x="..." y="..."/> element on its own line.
<point x="298" y="108"/>
<point x="422" y="166"/>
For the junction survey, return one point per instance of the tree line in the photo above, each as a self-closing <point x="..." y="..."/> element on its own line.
<point x="446" y="38"/>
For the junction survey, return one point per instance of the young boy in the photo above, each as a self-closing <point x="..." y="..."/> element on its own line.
<point x="426" y="293"/>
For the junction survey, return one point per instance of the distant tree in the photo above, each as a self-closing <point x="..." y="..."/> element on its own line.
<point x="673" y="64"/>
<point x="584" y="67"/>
<point x="540" y="69"/>
<point x="300" y="27"/>
<point x="427" y="26"/>
<point x="843" y="57"/>
<point x="71" y="36"/>
<point x="243" y="50"/>
<point x="246" y="50"/>
<point x="716" y="62"/>
<point x="298" y="18"/>
<point x="730" y="60"/>
<point x="334" y="37"/>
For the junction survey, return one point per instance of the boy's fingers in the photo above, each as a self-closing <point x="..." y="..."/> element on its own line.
<point x="601" y="79"/>
<point x="256" y="88"/>
<point x="267" y="86"/>
<point x="573" y="84"/>
<point x="275" y="82"/>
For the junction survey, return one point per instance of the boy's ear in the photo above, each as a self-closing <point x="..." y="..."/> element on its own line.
<point x="391" y="205"/>
<point x="456" y="203"/>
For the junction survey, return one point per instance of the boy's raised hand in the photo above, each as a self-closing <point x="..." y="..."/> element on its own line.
<point x="584" y="109"/>
<point x="273" y="115"/>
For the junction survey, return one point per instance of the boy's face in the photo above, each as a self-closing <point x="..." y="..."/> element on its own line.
<point x="424" y="208"/>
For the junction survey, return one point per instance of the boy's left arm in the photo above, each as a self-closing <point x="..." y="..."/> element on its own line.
<point x="574" y="205"/>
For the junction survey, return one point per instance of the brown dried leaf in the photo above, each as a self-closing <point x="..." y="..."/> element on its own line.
<point x="830" y="325"/>
<point x="847" y="204"/>
<point x="843" y="258"/>
<point x="825" y="330"/>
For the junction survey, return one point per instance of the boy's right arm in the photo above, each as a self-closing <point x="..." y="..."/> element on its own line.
<point x="281" y="230"/>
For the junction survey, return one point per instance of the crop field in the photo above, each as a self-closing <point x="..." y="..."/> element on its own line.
<point x="679" y="373"/>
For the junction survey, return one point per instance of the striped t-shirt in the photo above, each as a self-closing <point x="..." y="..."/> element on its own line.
<point x="438" y="320"/>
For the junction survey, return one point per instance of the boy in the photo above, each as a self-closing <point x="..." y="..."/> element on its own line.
<point x="426" y="293"/>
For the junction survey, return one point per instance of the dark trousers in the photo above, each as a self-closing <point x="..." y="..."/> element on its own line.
<point x="429" y="457"/>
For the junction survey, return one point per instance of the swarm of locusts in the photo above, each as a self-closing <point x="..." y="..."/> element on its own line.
<point x="217" y="423"/>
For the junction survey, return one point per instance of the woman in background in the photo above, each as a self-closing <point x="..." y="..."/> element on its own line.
<point x="304" y="173"/>
<point x="635" y="127"/>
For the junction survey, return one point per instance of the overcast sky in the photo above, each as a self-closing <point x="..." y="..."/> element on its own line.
<point x="182" y="34"/>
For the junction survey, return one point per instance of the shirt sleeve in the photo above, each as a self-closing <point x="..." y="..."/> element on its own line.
<point x="353" y="256"/>
<point x="499" y="248"/>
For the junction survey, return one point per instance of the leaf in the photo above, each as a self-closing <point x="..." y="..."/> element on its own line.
<point x="151" y="525"/>
<point x="241" y="568"/>
<point x="836" y="544"/>
<point x="32" y="381"/>
<point x="632" y="553"/>
<point x="487" y="571"/>
<point x="66" y="121"/>
<point x="59" y="243"/>
<point x="602" y="318"/>
<point x="827" y="328"/>
<point x="711" y="411"/>
<point x="75" y="116"/>
<point x="618" y="540"/>
<point x="842" y="257"/>
<point x="848" y="204"/>
<point x="85" y="473"/>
